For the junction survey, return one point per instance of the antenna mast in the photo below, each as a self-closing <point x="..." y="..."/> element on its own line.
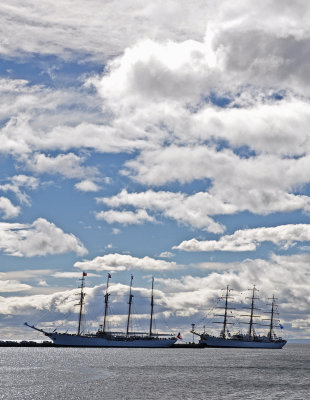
<point x="152" y="308"/>
<point x="129" y="308"/>
<point x="106" y="301"/>
<point x="81" y="302"/>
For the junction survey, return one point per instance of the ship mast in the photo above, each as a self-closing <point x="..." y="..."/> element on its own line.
<point x="226" y="316"/>
<point x="271" y="318"/>
<point x="81" y="302"/>
<point x="152" y="308"/>
<point x="129" y="308"/>
<point x="273" y="311"/>
<point x="251" y="323"/>
<point x="106" y="301"/>
<point x="251" y="315"/>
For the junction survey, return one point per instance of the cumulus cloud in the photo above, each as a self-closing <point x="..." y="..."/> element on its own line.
<point x="17" y="183"/>
<point x="68" y="165"/>
<point x="8" y="209"/>
<point x="284" y="236"/>
<point x="190" y="210"/>
<point x="125" y="217"/>
<point x="122" y="262"/>
<point x="198" y="209"/>
<point x="256" y="184"/>
<point x="37" y="118"/>
<point x="37" y="239"/>
<point x="87" y="186"/>
<point x="58" y="301"/>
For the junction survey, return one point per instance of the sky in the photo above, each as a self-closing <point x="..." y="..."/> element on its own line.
<point x="167" y="139"/>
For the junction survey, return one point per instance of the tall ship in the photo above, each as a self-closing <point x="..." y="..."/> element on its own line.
<point x="250" y="339"/>
<point x="105" y="338"/>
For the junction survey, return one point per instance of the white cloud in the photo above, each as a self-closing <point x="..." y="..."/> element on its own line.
<point x="284" y="236"/>
<point x="87" y="186"/>
<point x="121" y="262"/>
<point x="256" y="184"/>
<point x="166" y="254"/>
<point x="25" y="274"/>
<point x="190" y="210"/>
<point x="71" y="275"/>
<point x="29" y="304"/>
<point x="37" y="239"/>
<point x="11" y="286"/>
<point x="125" y="217"/>
<point x="42" y="282"/>
<point x="37" y="118"/>
<point x="68" y="165"/>
<point x="8" y="209"/>
<point x="17" y="182"/>
<point x="75" y="27"/>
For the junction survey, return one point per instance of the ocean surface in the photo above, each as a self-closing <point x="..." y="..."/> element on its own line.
<point x="143" y="374"/>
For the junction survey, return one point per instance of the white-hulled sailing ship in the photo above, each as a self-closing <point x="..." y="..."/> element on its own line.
<point x="250" y="339"/>
<point x="104" y="338"/>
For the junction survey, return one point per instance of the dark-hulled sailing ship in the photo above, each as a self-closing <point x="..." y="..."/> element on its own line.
<point x="250" y="339"/>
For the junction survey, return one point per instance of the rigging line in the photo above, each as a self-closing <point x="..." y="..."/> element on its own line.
<point x="165" y="323"/>
<point x="43" y="314"/>
<point x="204" y="318"/>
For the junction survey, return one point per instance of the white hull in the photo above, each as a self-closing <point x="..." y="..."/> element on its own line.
<point x="212" y="341"/>
<point x="65" y="339"/>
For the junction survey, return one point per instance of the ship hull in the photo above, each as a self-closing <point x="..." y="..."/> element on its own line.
<point x="247" y="344"/>
<point x="67" y="340"/>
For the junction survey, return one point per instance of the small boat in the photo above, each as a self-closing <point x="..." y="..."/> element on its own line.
<point x="250" y="339"/>
<point x="104" y="338"/>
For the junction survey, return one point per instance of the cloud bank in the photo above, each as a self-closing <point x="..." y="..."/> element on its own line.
<point x="283" y="236"/>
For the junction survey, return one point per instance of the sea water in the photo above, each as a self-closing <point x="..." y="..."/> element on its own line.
<point x="142" y="374"/>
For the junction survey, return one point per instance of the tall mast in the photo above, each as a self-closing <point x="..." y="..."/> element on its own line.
<point x="81" y="302"/>
<point x="252" y="313"/>
<point x="225" y="313"/>
<point x="129" y="308"/>
<point x="152" y="308"/>
<point x="274" y="315"/>
<point x="226" y="316"/>
<point x="106" y="301"/>
<point x="271" y="318"/>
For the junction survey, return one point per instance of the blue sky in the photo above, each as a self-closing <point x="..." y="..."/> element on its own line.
<point x="176" y="146"/>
